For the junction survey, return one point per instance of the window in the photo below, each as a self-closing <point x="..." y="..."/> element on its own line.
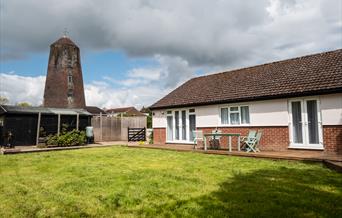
<point x="169" y="112"/>
<point x="177" y="124"/>
<point x="192" y="110"/>
<point x="224" y="116"/>
<point x="70" y="93"/>
<point x="184" y="125"/>
<point x="244" y="114"/>
<point x="69" y="79"/>
<point x="235" y="115"/>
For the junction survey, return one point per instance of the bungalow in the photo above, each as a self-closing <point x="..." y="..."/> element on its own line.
<point x="296" y="102"/>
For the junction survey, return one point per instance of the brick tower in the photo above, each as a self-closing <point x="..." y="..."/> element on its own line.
<point x="64" y="82"/>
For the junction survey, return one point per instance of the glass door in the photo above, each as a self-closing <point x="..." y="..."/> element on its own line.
<point x="305" y="129"/>
<point x="169" y="128"/>
<point x="297" y="127"/>
<point x="192" y="126"/>
<point x="184" y="125"/>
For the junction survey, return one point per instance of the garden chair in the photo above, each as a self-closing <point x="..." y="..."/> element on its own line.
<point x="252" y="144"/>
<point x="250" y="136"/>
<point x="198" y="136"/>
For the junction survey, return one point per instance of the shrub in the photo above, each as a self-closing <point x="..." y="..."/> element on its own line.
<point x="151" y="138"/>
<point x="71" y="138"/>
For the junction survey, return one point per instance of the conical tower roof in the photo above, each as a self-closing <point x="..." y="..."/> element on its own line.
<point x="64" y="41"/>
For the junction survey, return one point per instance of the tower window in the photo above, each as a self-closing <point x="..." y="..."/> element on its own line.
<point x="69" y="79"/>
<point x="70" y="93"/>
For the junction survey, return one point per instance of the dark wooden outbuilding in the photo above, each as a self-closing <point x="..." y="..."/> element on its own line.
<point x="23" y="122"/>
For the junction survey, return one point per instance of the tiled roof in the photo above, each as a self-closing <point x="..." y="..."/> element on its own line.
<point x="130" y="111"/>
<point x="308" y="75"/>
<point x="95" y="110"/>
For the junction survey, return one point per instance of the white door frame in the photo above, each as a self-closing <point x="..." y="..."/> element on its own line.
<point x="187" y="123"/>
<point x="305" y="129"/>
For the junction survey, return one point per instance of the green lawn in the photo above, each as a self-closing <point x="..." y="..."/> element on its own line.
<point x="128" y="182"/>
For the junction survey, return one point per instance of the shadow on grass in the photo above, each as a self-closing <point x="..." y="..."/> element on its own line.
<point x="264" y="193"/>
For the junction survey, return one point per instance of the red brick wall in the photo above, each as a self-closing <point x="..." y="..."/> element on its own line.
<point x="159" y="135"/>
<point x="332" y="138"/>
<point x="273" y="138"/>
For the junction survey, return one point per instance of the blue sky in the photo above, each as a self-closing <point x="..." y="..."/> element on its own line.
<point x="134" y="52"/>
<point x="95" y="65"/>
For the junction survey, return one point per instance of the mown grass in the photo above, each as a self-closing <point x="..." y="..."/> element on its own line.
<point x="126" y="182"/>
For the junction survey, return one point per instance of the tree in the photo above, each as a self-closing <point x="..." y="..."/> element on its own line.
<point x="3" y="100"/>
<point x="24" y="104"/>
<point x="149" y="116"/>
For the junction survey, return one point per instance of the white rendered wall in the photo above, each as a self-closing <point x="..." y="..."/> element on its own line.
<point x="269" y="113"/>
<point x="159" y="119"/>
<point x="262" y="113"/>
<point x="331" y="109"/>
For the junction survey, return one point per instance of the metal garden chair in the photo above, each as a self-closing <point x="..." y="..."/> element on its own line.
<point x="198" y="136"/>
<point x="252" y="144"/>
<point x="250" y="136"/>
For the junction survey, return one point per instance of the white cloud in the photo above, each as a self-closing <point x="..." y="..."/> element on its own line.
<point x="203" y="33"/>
<point x="146" y="73"/>
<point x="181" y="36"/>
<point x="22" y="88"/>
<point x="99" y="93"/>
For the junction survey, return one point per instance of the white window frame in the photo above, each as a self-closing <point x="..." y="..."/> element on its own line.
<point x="238" y="111"/>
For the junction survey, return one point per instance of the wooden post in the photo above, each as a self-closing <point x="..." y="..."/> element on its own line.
<point x="58" y="124"/>
<point x="77" y="121"/>
<point x="230" y="144"/>
<point x="38" y="128"/>
<point x="100" y="126"/>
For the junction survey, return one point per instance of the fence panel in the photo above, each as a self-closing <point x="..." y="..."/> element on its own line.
<point x="115" y="128"/>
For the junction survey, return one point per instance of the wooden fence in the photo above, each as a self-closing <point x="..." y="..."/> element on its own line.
<point x="115" y="128"/>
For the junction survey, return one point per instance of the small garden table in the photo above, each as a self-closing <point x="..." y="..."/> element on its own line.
<point x="229" y="135"/>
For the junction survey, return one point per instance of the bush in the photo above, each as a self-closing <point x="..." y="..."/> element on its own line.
<point x="71" y="138"/>
<point x="151" y="138"/>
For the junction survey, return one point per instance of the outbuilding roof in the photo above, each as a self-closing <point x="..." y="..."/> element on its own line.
<point x="308" y="75"/>
<point x="44" y="110"/>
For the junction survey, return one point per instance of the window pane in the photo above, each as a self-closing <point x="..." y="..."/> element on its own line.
<point x="244" y="114"/>
<point x="169" y="128"/>
<point x="192" y="125"/>
<point x="177" y="124"/>
<point x="183" y="125"/>
<point x="297" y="122"/>
<point x="312" y="121"/>
<point x="224" y="116"/>
<point x="234" y="108"/>
<point x="234" y="118"/>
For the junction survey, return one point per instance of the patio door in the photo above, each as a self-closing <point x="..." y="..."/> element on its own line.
<point x="305" y="124"/>
<point x="180" y="125"/>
